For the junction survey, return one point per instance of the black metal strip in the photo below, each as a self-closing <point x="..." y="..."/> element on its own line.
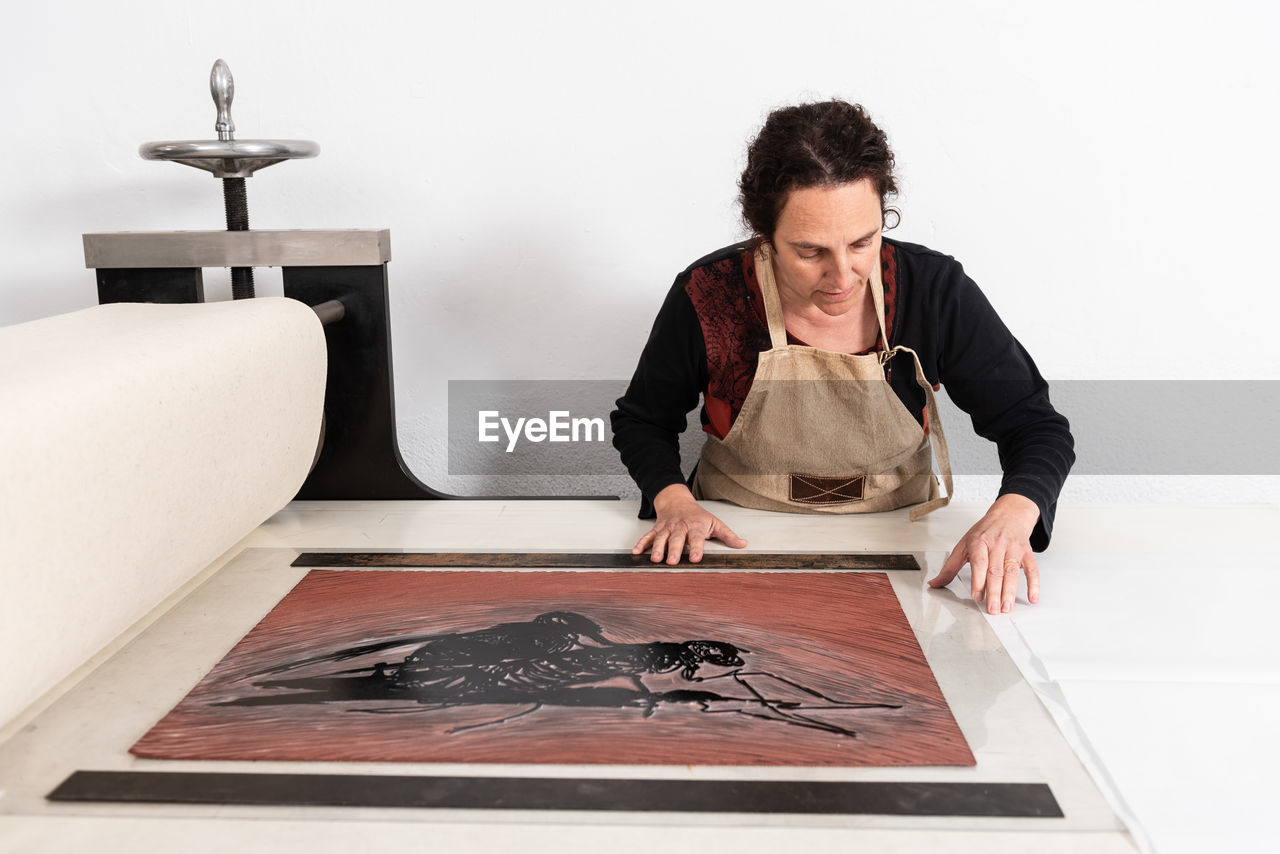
<point x="1018" y="800"/>
<point x="611" y="560"/>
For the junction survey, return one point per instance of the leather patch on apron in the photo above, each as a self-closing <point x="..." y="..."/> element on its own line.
<point x="812" y="489"/>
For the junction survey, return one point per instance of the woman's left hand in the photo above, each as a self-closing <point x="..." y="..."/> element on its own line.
<point x="998" y="550"/>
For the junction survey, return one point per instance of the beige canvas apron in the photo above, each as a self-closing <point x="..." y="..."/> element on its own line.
<point x="823" y="432"/>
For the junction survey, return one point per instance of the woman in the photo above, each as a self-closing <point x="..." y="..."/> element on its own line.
<point x="817" y="346"/>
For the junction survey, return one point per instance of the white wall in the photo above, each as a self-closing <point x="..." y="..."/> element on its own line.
<point x="1106" y="171"/>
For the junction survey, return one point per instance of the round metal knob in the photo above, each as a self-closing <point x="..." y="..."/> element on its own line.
<point x="237" y="158"/>
<point x="228" y="157"/>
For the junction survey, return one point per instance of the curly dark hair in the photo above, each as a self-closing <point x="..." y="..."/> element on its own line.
<point x="812" y="145"/>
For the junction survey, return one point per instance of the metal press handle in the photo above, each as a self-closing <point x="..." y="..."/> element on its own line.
<point x="223" y="88"/>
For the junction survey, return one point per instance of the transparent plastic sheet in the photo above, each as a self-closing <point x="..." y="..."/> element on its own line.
<point x="1160" y="672"/>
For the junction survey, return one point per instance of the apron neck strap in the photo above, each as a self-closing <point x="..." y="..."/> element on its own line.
<point x="773" y="302"/>
<point x="877" y="296"/>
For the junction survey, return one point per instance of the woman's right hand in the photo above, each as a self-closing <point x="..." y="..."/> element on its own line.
<point x="682" y="522"/>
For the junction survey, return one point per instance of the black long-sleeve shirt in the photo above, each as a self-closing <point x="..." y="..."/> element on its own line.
<point x="710" y="330"/>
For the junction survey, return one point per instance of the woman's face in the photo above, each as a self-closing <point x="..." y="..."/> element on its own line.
<point x="826" y="245"/>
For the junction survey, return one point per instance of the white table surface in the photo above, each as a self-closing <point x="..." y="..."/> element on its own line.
<point x="1149" y="635"/>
